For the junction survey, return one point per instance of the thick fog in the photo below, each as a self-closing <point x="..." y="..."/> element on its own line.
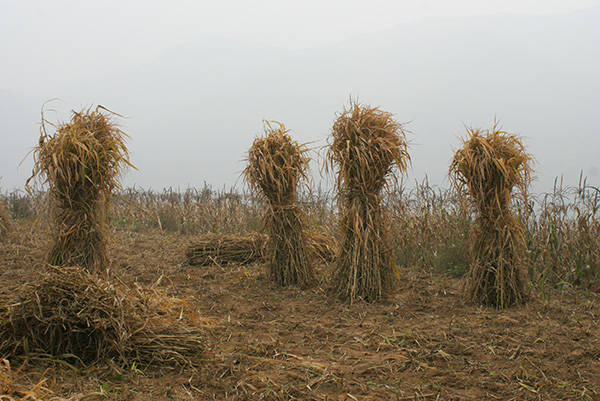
<point x="194" y="81"/>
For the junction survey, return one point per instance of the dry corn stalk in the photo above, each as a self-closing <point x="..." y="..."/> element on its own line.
<point x="489" y="165"/>
<point x="81" y="163"/>
<point x="227" y="249"/>
<point x="276" y="167"/>
<point x="367" y="150"/>
<point x="73" y="314"/>
<point x="5" y="221"/>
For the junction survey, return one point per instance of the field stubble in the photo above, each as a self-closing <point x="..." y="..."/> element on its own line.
<point x="269" y="343"/>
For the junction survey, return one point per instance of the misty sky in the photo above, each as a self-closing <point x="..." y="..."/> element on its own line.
<point x="195" y="78"/>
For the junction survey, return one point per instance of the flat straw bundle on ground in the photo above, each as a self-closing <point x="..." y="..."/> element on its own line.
<point x="276" y="165"/>
<point x="76" y="315"/>
<point x="367" y="145"/>
<point x="81" y="163"/>
<point x="226" y="249"/>
<point x="234" y="249"/>
<point x="488" y="166"/>
<point x="5" y="221"/>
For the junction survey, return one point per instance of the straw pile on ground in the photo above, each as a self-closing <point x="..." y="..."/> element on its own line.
<point x="226" y="249"/>
<point x="5" y="221"/>
<point x="276" y="166"/>
<point x="234" y="249"/>
<point x="367" y="145"/>
<point x="81" y="163"/>
<point x="78" y="316"/>
<point x="488" y="166"/>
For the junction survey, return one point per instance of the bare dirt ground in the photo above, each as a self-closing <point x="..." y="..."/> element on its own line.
<point x="269" y="343"/>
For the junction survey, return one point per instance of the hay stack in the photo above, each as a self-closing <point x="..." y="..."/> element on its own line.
<point x="71" y="313"/>
<point x="488" y="166"/>
<point x="367" y="144"/>
<point x="5" y="221"/>
<point x="81" y="163"/>
<point x="276" y="165"/>
<point x="234" y="249"/>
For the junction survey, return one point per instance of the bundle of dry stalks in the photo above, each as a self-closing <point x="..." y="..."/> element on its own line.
<point x="76" y="315"/>
<point x="488" y="166"/>
<point x="5" y="221"/>
<point x="276" y="165"/>
<point x="322" y="246"/>
<point x="367" y="144"/>
<point x="81" y="163"/>
<point x="228" y="249"/>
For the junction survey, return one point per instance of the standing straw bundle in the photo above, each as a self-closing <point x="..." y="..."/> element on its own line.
<point x="81" y="163"/>
<point x="488" y="166"/>
<point x="276" y="165"/>
<point x="367" y="144"/>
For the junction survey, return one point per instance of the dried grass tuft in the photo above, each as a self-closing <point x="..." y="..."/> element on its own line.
<point x="81" y="163"/>
<point x="5" y="221"/>
<point x="75" y="315"/>
<point x="367" y="145"/>
<point x="234" y="249"/>
<point x="489" y="165"/>
<point x="16" y="386"/>
<point x="276" y="166"/>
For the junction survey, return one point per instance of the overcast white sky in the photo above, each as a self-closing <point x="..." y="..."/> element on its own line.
<point x="62" y="39"/>
<point x="88" y="52"/>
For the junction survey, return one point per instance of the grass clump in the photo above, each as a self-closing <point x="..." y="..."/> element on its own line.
<point x="81" y="163"/>
<point x="276" y="166"/>
<point x="5" y="220"/>
<point x="76" y="315"/>
<point x="489" y="165"/>
<point x="367" y="145"/>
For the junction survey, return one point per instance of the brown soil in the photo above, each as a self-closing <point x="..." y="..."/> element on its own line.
<point x="269" y="343"/>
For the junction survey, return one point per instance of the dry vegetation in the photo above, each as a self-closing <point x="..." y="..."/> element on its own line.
<point x="265" y="342"/>
<point x="227" y="249"/>
<point x="80" y="317"/>
<point x="5" y="220"/>
<point x="367" y="144"/>
<point x="276" y="166"/>
<point x="152" y="325"/>
<point x="81" y="163"/>
<point x="486" y="168"/>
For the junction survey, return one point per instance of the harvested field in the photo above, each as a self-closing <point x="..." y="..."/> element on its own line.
<point x="273" y="343"/>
